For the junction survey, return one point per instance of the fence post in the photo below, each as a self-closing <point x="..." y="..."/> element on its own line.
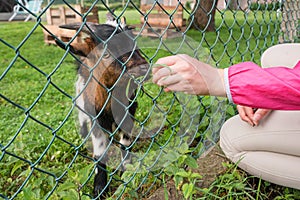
<point x="290" y="21"/>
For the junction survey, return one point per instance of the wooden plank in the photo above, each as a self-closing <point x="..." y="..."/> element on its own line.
<point x="161" y="16"/>
<point x="48" y="38"/>
<point x="49" y="16"/>
<point x="147" y="7"/>
<point x="93" y="15"/>
<point x="63" y="34"/>
<point x="62" y="14"/>
<point x="65" y="15"/>
<point x="163" y="20"/>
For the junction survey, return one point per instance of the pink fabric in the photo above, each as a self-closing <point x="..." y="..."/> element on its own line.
<point x="276" y="88"/>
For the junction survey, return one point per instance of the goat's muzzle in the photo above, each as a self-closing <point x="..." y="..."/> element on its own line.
<point x="140" y="72"/>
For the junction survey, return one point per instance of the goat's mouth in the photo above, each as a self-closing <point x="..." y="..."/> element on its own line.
<point x="140" y="73"/>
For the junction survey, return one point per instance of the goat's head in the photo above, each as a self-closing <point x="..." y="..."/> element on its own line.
<point x="108" y="50"/>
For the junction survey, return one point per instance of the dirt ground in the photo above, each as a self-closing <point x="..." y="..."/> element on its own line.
<point x="210" y="166"/>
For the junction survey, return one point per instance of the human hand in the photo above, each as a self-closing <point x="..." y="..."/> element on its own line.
<point x="252" y="116"/>
<point x="185" y="74"/>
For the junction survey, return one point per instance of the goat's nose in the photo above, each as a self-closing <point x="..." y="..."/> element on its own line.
<point x="140" y="71"/>
<point x="145" y="71"/>
<point x="144" y="68"/>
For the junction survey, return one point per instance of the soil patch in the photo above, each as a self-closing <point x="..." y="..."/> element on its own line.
<point x="210" y="166"/>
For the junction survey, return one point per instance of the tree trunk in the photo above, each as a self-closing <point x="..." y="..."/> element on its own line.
<point x="232" y="4"/>
<point x="245" y="5"/>
<point x="204" y="17"/>
<point x="238" y="4"/>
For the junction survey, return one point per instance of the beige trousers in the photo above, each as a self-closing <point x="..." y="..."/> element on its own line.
<point x="270" y="151"/>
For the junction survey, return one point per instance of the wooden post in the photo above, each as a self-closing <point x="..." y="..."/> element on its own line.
<point x="65" y="15"/>
<point x="62" y="14"/>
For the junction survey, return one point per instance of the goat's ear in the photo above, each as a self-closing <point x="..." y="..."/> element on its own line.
<point x="130" y="27"/>
<point x="87" y="45"/>
<point x="80" y="49"/>
<point x="123" y="21"/>
<point x="110" y="16"/>
<point x="88" y="27"/>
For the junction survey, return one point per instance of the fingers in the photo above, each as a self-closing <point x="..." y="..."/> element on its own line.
<point x="162" y="62"/>
<point x="165" y="72"/>
<point x="246" y="114"/>
<point x="251" y="116"/>
<point x="161" y="73"/>
<point x="168" y="60"/>
<point x="168" y="80"/>
<point x="259" y="115"/>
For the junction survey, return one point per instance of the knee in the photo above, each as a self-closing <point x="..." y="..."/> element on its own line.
<point x="228" y="133"/>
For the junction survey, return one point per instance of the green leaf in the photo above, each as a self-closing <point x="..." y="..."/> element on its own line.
<point x="66" y="186"/>
<point x="165" y="189"/>
<point x="84" y="173"/>
<point x="28" y="194"/>
<point x="183" y="148"/>
<point x="181" y="159"/>
<point x="16" y="167"/>
<point x="171" y="170"/>
<point x="196" y="175"/>
<point x="178" y="181"/>
<point x="230" y="110"/>
<point x="191" y="162"/>
<point x="172" y="156"/>
<point x="187" y="190"/>
<point x="183" y="174"/>
<point x="72" y="194"/>
<point x="68" y="195"/>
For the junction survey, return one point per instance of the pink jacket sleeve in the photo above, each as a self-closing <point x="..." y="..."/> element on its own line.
<point x="276" y="88"/>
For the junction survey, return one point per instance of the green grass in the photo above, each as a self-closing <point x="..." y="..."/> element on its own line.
<point x="38" y="122"/>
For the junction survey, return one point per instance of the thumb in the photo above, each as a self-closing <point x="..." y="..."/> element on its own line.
<point x="259" y="114"/>
<point x="163" y="62"/>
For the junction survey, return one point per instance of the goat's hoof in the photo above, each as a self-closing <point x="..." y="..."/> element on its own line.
<point x="97" y="193"/>
<point x="100" y="190"/>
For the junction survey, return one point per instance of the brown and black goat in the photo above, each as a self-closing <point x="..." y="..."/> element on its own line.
<point x="109" y="60"/>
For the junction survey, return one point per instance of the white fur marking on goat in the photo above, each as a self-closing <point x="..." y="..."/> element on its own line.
<point x="125" y="142"/>
<point x="99" y="144"/>
<point x="80" y="101"/>
<point x="79" y="87"/>
<point x="114" y="23"/>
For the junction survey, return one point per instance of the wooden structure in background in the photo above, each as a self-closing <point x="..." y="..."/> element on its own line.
<point x="65" y="15"/>
<point x="162" y="18"/>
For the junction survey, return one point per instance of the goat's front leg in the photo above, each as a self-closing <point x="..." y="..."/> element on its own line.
<point x="126" y="133"/>
<point x="99" y="147"/>
<point x="84" y="119"/>
<point x="125" y="141"/>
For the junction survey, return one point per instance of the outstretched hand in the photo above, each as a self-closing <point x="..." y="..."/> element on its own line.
<point x="183" y="73"/>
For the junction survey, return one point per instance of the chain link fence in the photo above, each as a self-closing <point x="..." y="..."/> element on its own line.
<point x="42" y="153"/>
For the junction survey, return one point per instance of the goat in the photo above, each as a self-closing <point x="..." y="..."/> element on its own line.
<point x="109" y="61"/>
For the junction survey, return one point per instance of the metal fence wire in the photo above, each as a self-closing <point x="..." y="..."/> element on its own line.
<point x="42" y="153"/>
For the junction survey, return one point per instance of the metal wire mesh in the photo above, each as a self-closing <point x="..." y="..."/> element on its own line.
<point x="43" y="156"/>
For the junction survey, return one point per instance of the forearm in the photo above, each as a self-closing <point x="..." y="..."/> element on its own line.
<point x="275" y="88"/>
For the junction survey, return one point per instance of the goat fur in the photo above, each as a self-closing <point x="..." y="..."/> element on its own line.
<point x="109" y="60"/>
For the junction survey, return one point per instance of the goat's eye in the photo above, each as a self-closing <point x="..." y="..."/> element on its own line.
<point x="106" y="55"/>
